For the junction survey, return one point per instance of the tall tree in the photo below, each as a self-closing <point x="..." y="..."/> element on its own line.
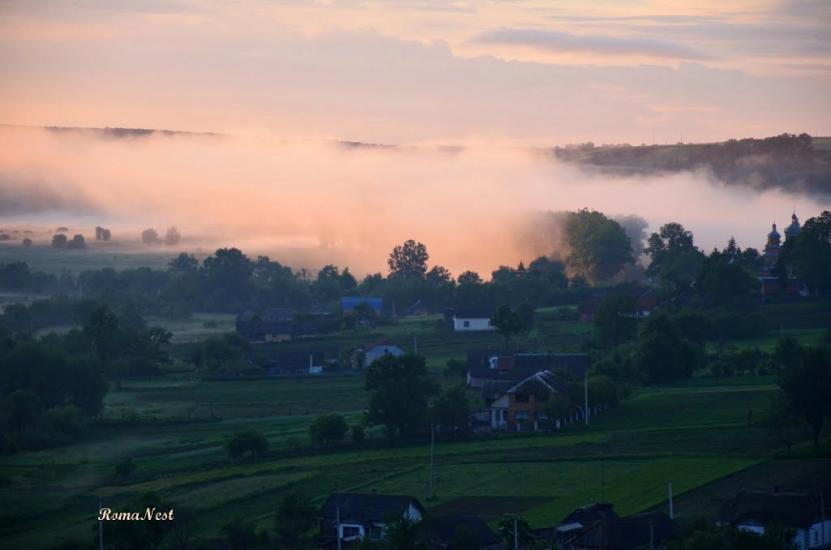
<point x="809" y="254"/>
<point x="806" y="384"/>
<point x="409" y="260"/>
<point x="294" y="522"/>
<point x="598" y="246"/>
<point x="615" y="319"/>
<point x="508" y="323"/>
<point x="399" y="392"/>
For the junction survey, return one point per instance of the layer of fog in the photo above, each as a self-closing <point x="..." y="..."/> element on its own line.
<point x="308" y="203"/>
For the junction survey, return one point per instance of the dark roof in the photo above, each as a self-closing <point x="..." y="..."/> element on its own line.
<point x="591" y="513"/>
<point x="766" y="508"/>
<point x="443" y="529"/>
<point x="575" y="365"/>
<point x="367" y="507"/>
<point x="626" y="533"/>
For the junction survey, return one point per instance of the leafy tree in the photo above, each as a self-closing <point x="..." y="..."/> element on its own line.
<point x="451" y="410"/>
<point x="455" y="368"/>
<point x="295" y="521"/>
<point x="469" y="278"/>
<point x="172" y="236"/>
<point x="807" y="385"/>
<point x="101" y="330"/>
<point x="404" y="534"/>
<point x="409" y="260"/>
<point x="248" y="442"/>
<point x="599" y="247"/>
<point x="558" y="406"/>
<point x="514" y="528"/>
<point x="21" y="411"/>
<point x="328" y="429"/>
<point x="615" y="319"/>
<point x="725" y="283"/>
<point x="59" y="241"/>
<point x="508" y="323"/>
<point x="400" y="389"/>
<point x="150" y="236"/>
<point x="809" y="253"/>
<point x="184" y="263"/>
<point x="662" y="352"/>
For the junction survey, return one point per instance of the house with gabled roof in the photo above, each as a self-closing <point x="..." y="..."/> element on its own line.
<point x="351" y="517"/>
<point x="806" y="517"/>
<point x="520" y="407"/>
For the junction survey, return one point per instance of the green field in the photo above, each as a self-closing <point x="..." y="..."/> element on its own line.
<point x="688" y="434"/>
<point x="96" y="256"/>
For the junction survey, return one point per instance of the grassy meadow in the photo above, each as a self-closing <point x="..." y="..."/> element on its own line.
<point x="694" y="434"/>
<point x="689" y="434"/>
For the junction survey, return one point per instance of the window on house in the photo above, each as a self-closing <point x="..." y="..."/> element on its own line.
<point x="466" y="324"/>
<point x="522" y="415"/>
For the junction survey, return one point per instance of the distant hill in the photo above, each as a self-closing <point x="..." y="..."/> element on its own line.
<point x="797" y="164"/>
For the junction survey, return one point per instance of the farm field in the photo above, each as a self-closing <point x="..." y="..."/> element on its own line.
<point x="97" y="256"/>
<point x="688" y="434"/>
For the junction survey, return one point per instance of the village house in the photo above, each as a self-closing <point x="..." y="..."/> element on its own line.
<point x="802" y="515"/>
<point x="472" y="320"/>
<point x="351" y="517"/>
<point x="520" y="407"/>
<point x="276" y="325"/>
<point x="597" y="526"/>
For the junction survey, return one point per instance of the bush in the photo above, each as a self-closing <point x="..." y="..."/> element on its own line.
<point x="246" y="443"/>
<point x="358" y="433"/>
<point x="327" y="429"/>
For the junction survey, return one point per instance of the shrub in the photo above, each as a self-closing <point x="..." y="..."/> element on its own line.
<point x="327" y="429"/>
<point x="246" y="443"/>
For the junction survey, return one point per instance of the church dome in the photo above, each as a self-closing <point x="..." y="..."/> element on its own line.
<point x="774" y="234"/>
<point x="793" y="229"/>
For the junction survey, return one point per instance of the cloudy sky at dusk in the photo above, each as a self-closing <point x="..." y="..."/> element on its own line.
<point x="407" y="71"/>
<point x="282" y="78"/>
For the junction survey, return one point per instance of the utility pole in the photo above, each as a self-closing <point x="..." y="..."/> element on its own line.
<point x="671" y="512"/>
<point x="516" y="535"/>
<point x="586" y="396"/>
<point x="337" y="525"/>
<point x="432" y="443"/>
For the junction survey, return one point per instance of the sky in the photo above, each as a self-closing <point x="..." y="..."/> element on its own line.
<point x="418" y="71"/>
<point x="283" y="80"/>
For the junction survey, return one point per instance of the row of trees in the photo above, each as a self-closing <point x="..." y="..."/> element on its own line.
<point x="50" y="387"/>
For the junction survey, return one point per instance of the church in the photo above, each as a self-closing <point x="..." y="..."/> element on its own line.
<point x="771" y="285"/>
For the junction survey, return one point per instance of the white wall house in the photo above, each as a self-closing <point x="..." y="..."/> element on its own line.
<point x="472" y="324"/>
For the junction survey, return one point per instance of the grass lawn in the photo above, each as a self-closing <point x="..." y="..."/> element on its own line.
<point x="691" y="434"/>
